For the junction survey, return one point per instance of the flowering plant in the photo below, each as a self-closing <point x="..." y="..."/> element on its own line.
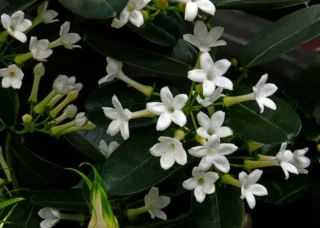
<point x="200" y="142"/>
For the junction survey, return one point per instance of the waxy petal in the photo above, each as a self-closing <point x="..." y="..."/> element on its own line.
<point x="191" y="11"/>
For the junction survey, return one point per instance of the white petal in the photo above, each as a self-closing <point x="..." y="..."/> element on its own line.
<point x="242" y="177"/>
<point x="221" y="67"/>
<point x="140" y="4"/>
<point x="206" y="6"/>
<point x="215" y="33"/>
<point x="180" y="101"/>
<point x="208" y="88"/>
<point x="152" y="196"/>
<point x="198" y="151"/>
<point x="227" y="148"/>
<point x="203" y="120"/>
<point x="162" y="202"/>
<point x="179" y="118"/>
<point x="218" y="43"/>
<point x="110" y="113"/>
<point x="19" y="36"/>
<point x="221" y="163"/>
<point x="287" y="156"/>
<point x="213" y="142"/>
<point x="180" y="156"/>
<point x="159" y="214"/>
<point x="291" y="168"/>
<point x="17" y="18"/>
<point x="205" y="163"/>
<point x="190" y="184"/>
<point x="136" y="18"/>
<point x="217" y="119"/>
<point x="268" y="103"/>
<point x="224" y="132"/>
<point x="156" y="108"/>
<point x="223" y="82"/>
<point x="300" y="152"/>
<point x="191" y="39"/>
<point x="167" y="160"/>
<point x="114" y="127"/>
<point x="262" y="81"/>
<point x="116" y="103"/>
<point x="6" y="21"/>
<point x="164" y="122"/>
<point x="197" y="75"/>
<point x="199" y="194"/>
<point x="250" y="199"/>
<point x="48" y="223"/>
<point x="16" y="83"/>
<point x="209" y="188"/>
<point x="24" y="25"/>
<point x="107" y="78"/>
<point x="6" y="82"/>
<point x="202" y="132"/>
<point x="211" y="177"/>
<point x="284" y="168"/>
<point x="254" y="176"/>
<point x="268" y="89"/>
<point x="200" y="30"/>
<point x="283" y="147"/>
<point x="124" y="18"/>
<point x="258" y="190"/>
<point x="125" y="130"/>
<point x="191" y="11"/>
<point x="259" y="101"/>
<point x="46" y="213"/>
<point x="166" y="96"/>
<point x="206" y="62"/>
<point x="158" y="149"/>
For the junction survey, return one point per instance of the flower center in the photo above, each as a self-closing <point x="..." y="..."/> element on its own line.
<point x="201" y="181"/>
<point x="212" y="151"/>
<point x="172" y="146"/>
<point x="211" y="131"/>
<point x="131" y="7"/>
<point x="171" y="109"/>
<point x="13" y="27"/>
<point x="12" y="74"/>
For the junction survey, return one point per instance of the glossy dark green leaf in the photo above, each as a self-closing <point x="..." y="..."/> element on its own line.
<point x="87" y="142"/>
<point x="256" y="4"/>
<point x="281" y="191"/>
<point x="32" y="171"/>
<point x="271" y="126"/>
<point x="135" y="51"/>
<point x="7" y="105"/>
<point x="97" y="9"/>
<point x="16" y="5"/>
<point x="3" y="4"/>
<point x="222" y="209"/>
<point x="164" y="30"/>
<point x="131" y="168"/>
<point x="62" y="199"/>
<point x="129" y="97"/>
<point x="282" y="36"/>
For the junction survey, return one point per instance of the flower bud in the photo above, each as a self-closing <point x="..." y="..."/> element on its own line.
<point x="253" y="146"/>
<point x="162" y="4"/>
<point x="73" y="95"/>
<point x="200" y="140"/>
<point x="38" y="72"/>
<point x="199" y="89"/>
<point x="145" y="15"/>
<point x="179" y="134"/>
<point x="26" y="119"/>
<point x="80" y="119"/>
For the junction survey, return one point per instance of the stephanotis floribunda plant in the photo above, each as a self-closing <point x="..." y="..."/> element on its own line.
<point x="215" y="144"/>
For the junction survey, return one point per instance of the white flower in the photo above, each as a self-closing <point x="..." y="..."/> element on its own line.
<point x="153" y="202"/>
<point x="170" y="150"/>
<point x="120" y="119"/>
<point x="193" y="5"/>
<point x="213" y="153"/>
<point x="285" y="157"/>
<point x="51" y="217"/>
<point x="249" y="188"/>
<point x="202" y="183"/>
<point x="80" y="119"/>
<point x="39" y="49"/>
<point x="131" y="13"/>
<point x="211" y="74"/>
<point x="16" y="25"/>
<point x="108" y="150"/>
<point x="262" y="91"/>
<point x="212" y="126"/>
<point x="207" y="101"/>
<point x="114" y="68"/>
<point x="70" y="111"/>
<point x="68" y="39"/>
<point x="12" y="76"/>
<point x="63" y="84"/>
<point x="204" y="40"/>
<point x="300" y="161"/>
<point x="47" y="16"/>
<point x="169" y="110"/>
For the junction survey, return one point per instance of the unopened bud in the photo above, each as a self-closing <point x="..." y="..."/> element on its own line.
<point x="253" y="146"/>
<point x="199" y="89"/>
<point x="234" y="62"/>
<point x="318" y="147"/>
<point x="162" y="4"/>
<point x="73" y="95"/>
<point x="182" y="7"/>
<point x="179" y="134"/>
<point x="26" y="118"/>
<point x="145" y="15"/>
<point x="200" y="140"/>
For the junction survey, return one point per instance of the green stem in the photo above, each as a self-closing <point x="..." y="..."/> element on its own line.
<point x="5" y="166"/>
<point x="243" y="74"/>
<point x="193" y="121"/>
<point x="229" y="180"/>
<point x="156" y="13"/>
<point x="9" y="160"/>
<point x="42" y="131"/>
<point x="180" y="19"/>
<point x="190" y="93"/>
<point x="236" y="165"/>
<point x="155" y="94"/>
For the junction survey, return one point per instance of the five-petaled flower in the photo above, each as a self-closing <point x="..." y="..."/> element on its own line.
<point x="249" y="188"/>
<point x="153" y="202"/>
<point x="204" y="40"/>
<point x="193" y="5"/>
<point x="213" y="125"/>
<point x="202" y="183"/>
<point x="131" y="13"/>
<point x="213" y="153"/>
<point x="211" y="74"/>
<point x="51" y="217"/>
<point x="120" y="119"/>
<point x="114" y="69"/>
<point x="68" y="39"/>
<point x="47" y="16"/>
<point x="64" y="84"/>
<point x="39" y="49"/>
<point x="285" y="157"/>
<point x="106" y="149"/>
<point x="12" y="76"/>
<point x="16" y="25"/>
<point x="300" y="161"/>
<point x="170" y="150"/>
<point x="169" y="110"/>
<point x="262" y="90"/>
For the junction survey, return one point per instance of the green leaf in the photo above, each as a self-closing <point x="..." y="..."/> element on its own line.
<point x="97" y="9"/>
<point x="281" y="191"/>
<point x="10" y="201"/>
<point x="222" y="209"/>
<point x="282" y="36"/>
<point x="62" y="199"/>
<point x="164" y="30"/>
<point x="141" y="53"/>
<point x="17" y="5"/>
<point x="32" y="171"/>
<point x="3" y="4"/>
<point x="129" y="97"/>
<point x="311" y="131"/>
<point x="256" y="4"/>
<point x="271" y="126"/>
<point x="87" y="142"/>
<point x="7" y="105"/>
<point x="131" y="168"/>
